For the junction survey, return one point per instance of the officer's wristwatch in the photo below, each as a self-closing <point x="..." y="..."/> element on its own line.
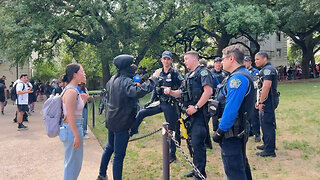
<point x="196" y="107"/>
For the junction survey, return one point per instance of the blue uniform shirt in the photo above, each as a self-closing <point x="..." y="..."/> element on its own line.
<point x="253" y="71"/>
<point x="236" y="87"/>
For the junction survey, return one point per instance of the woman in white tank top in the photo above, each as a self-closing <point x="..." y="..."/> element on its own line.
<point x="71" y="133"/>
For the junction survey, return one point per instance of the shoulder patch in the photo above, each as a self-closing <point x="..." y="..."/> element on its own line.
<point x="266" y="72"/>
<point x="235" y="83"/>
<point x="204" y="73"/>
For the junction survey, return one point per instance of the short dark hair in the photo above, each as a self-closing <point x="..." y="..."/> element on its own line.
<point x="236" y="51"/>
<point x="70" y="70"/>
<point x="22" y="75"/>
<point x="263" y="54"/>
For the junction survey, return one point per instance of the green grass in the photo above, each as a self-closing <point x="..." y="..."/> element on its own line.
<point x="298" y="142"/>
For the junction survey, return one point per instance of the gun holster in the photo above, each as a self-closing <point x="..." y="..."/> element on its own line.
<point x="212" y="106"/>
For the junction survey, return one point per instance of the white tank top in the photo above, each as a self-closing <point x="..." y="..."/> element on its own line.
<point x="79" y="104"/>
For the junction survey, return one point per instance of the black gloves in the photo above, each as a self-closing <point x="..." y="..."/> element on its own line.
<point x="217" y="136"/>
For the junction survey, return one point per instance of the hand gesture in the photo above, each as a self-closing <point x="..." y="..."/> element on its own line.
<point x="157" y="73"/>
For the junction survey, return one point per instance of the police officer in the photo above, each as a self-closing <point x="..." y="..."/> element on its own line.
<point x="268" y="102"/>
<point x="217" y="71"/>
<point x="218" y="76"/>
<point x="122" y="94"/>
<point x="168" y="77"/>
<point x="236" y="100"/>
<point x="195" y="91"/>
<point x="254" y="119"/>
<point x="248" y="64"/>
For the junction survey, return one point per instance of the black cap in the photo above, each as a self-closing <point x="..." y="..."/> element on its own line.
<point x="247" y="58"/>
<point x="218" y="59"/>
<point x="123" y="61"/>
<point x="167" y="54"/>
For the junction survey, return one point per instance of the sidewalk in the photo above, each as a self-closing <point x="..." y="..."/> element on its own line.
<point x="32" y="155"/>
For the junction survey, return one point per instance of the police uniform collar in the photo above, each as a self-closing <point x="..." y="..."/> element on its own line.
<point x="268" y="63"/>
<point x="238" y="68"/>
<point x="169" y="70"/>
<point x="197" y="68"/>
<point x="217" y="71"/>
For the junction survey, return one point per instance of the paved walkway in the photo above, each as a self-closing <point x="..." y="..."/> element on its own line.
<point x="32" y="155"/>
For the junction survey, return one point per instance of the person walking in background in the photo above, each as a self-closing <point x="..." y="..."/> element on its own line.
<point x="58" y="90"/>
<point x="71" y="132"/>
<point x="48" y="89"/>
<point x="32" y="96"/>
<point x="122" y="94"/>
<point x="22" y="99"/>
<point x="3" y="95"/>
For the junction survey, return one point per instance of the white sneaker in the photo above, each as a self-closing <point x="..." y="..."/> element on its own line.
<point x="86" y="137"/>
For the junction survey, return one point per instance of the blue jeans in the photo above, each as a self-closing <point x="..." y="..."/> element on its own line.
<point x="117" y="144"/>
<point x="85" y="120"/>
<point x="72" y="157"/>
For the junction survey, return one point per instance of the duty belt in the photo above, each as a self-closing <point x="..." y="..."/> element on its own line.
<point x="238" y="131"/>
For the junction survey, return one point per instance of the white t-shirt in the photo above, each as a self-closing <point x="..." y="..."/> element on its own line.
<point x="22" y="98"/>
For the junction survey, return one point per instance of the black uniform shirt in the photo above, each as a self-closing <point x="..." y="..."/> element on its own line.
<point x="268" y="72"/>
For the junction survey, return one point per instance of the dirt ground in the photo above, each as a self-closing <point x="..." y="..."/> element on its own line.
<point x="32" y="155"/>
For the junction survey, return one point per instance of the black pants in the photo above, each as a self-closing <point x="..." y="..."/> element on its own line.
<point x="198" y="136"/>
<point x="234" y="159"/>
<point x="268" y="126"/>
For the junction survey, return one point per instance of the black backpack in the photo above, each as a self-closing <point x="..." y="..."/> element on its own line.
<point x="13" y="92"/>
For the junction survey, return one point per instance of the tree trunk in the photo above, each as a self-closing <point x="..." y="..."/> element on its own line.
<point x="307" y="57"/>
<point x="106" y="75"/>
<point x="222" y="43"/>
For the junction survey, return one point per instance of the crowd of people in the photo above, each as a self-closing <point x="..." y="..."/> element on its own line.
<point x="230" y="85"/>
<point x="294" y="72"/>
<point x="238" y="113"/>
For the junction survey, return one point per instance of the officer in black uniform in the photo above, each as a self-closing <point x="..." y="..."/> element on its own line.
<point x="254" y="119"/>
<point x="217" y="71"/>
<point x="122" y="94"/>
<point x="268" y="102"/>
<point x="218" y="76"/>
<point x="236" y="98"/>
<point x="195" y="92"/>
<point x="168" y="77"/>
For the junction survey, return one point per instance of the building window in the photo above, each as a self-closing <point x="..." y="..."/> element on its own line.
<point x="278" y="52"/>
<point x="278" y="36"/>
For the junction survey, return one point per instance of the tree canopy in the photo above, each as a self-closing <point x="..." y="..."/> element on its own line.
<point x="94" y="32"/>
<point x="300" y="20"/>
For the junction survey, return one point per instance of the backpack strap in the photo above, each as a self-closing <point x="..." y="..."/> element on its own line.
<point x="17" y="91"/>
<point x="64" y="90"/>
